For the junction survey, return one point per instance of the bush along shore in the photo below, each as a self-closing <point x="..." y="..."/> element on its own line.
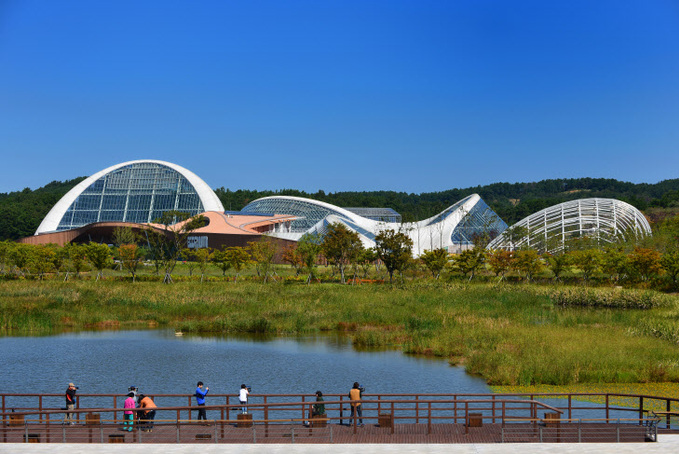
<point x="507" y="334"/>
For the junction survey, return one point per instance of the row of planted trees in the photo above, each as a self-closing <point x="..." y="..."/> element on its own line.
<point x="653" y="263"/>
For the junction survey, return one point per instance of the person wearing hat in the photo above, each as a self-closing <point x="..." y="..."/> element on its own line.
<point x="130" y="403"/>
<point x="134" y="390"/>
<point x="70" y="403"/>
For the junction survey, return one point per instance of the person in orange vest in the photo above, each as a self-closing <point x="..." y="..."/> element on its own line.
<point x="149" y="414"/>
<point x="355" y="395"/>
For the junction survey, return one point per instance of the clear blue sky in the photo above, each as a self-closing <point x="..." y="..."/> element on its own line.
<point x="412" y="96"/>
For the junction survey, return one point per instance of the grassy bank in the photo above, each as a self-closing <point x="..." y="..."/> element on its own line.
<point x="510" y="335"/>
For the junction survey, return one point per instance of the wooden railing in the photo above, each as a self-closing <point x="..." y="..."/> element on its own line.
<point x="416" y="408"/>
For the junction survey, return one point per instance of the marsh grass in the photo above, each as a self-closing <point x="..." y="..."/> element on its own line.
<point x="508" y="334"/>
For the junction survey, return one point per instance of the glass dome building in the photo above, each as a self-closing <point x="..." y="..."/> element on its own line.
<point x="135" y="191"/>
<point x="453" y="229"/>
<point x="549" y="230"/>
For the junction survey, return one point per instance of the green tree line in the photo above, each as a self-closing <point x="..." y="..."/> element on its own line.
<point x="21" y="212"/>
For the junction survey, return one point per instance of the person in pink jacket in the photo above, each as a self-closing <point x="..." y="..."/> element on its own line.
<point x="129" y="414"/>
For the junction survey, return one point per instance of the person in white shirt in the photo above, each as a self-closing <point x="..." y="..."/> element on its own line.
<point x="243" y="397"/>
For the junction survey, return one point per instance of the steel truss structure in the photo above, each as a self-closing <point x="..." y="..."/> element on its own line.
<point x="549" y="230"/>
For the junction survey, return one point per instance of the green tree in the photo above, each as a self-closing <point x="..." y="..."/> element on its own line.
<point x="20" y="256"/>
<point x="202" y="258"/>
<point x="40" y="261"/>
<point x="238" y="259"/>
<point x="99" y="256"/>
<point x="340" y="246"/>
<point x="586" y="260"/>
<point x="221" y="259"/>
<point x="469" y="261"/>
<point x="291" y="255"/>
<point x="77" y="257"/>
<point x="5" y="247"/>
<point x="308" y="249"/>
<point x="366" y="258"/>
<point x="123" y="235"/>
<point x="558" y="263"/>
<point x="528" y="262"/>
<point x="176" y="226"/>
<point x="131" y="256"/>
<point x="644" y="263"/>
<point x="670" y="263"/>
<point x="614" y="263"/>
<point x="395" y="249"/>
<point x="500" y="261"/>
<point x="263" y="253"/>
<point x="435" y="261"/>
<point x="188" y="258"/>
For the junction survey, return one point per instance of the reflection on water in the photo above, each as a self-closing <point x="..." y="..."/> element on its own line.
<point x="160" y="362"/>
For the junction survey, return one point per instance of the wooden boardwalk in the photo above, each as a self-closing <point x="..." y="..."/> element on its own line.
<point x="333" y="433"/>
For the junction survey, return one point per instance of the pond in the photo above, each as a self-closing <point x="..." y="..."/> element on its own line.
<point x="157" y="361"/>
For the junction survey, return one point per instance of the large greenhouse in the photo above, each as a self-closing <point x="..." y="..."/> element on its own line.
<point x="600" y="220"/>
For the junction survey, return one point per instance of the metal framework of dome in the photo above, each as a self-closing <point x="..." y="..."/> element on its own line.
<point x="453" y="229"/>
<point x="549" y="230"/>
<point x="135" y="191"/>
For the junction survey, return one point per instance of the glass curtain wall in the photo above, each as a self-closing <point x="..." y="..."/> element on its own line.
<point x="139" y="192"/>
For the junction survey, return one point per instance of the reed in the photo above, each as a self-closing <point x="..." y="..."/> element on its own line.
<point x="508" y="334"/>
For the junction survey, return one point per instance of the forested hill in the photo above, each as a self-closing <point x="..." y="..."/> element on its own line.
<point x="21" y="212"/>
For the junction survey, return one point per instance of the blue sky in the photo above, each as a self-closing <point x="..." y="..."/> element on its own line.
<point x="413" y="96"/>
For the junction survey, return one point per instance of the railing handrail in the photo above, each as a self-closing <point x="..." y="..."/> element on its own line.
<point x="278" y="405"/>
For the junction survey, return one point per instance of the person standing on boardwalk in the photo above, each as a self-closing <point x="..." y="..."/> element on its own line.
<point x="128" y="414"/>
<point x="149" y="414"/>
<point x="200" y="400"/>
<point x="243" y="397"/>
<point x="355" y="395"/>
<point x="319" y="407"/>
<point x="70" y="403"/>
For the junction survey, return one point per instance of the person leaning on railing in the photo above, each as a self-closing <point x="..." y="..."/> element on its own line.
<point x="128" y="414"/>
<point x="319" y="408"/>
<point x="149" y="414"/>
<point x="70" y="403"/>
<point x="355" y="395"/>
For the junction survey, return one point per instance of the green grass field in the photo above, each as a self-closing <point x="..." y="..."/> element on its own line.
<point x="508" y="334"/>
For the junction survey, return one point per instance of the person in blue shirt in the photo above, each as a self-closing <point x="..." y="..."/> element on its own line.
<point x="200" y="400"/>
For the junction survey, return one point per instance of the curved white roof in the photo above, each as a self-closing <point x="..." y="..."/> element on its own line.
<point x="207" y="196"/>
<point x="548" y="230"/>
<point x="432" y="233"/>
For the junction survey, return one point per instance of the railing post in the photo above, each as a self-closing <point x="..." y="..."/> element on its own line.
<point x="292" y="435"/>
<point x="570" y="406"/>
<point x="466" y="417"/>
<point x="641" y="407"/>
<point x="669" y="408"/>
<point x="341" y="408"/>
<point x="254" y="434"/>
<point x="177" y="430"/>
<point x="115" y="413"/>
<point x="579" y="430"/>
<point x="266" y="418"/>
<point x="40" y="406"/>
<point x="607" y="409"/>
<point x="429" y="418"/>
<point x="216" y="433"/>
<point x="393" y="418"/>
<point x="540" y="432"/>
<point x="417" y="409"/>
<point x="493" y="405"/>
<point x="303" y="400"/>
<point x="189" y="410"/>
<point x="63" y="434"/>
<point x="455" y="409"/>
<point x="617" y="432"/>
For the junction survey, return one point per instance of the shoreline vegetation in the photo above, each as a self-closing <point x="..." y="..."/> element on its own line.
<point x="512" y="335"/>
